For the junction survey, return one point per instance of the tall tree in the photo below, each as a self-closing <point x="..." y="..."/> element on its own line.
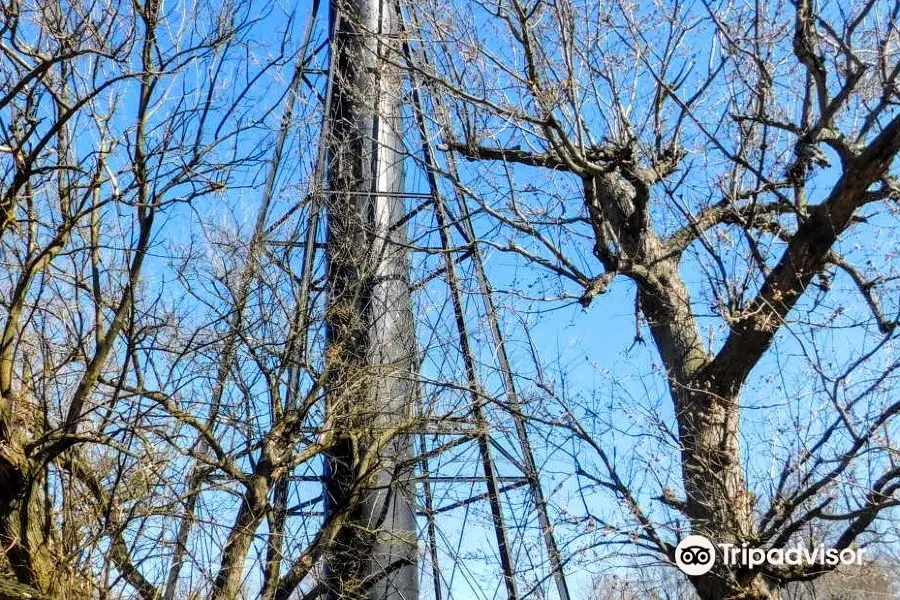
<point x="82" y="163"/>
<point x="722" y="157"/>
<point x="117" y="118"/>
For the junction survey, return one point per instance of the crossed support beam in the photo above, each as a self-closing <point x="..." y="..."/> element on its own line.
<point x="371" y="390"/>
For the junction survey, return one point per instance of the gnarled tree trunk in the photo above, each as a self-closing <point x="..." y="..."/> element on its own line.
<point x="717" y="502"/>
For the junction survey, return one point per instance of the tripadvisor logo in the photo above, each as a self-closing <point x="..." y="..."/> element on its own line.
<point x="696" y="555"/>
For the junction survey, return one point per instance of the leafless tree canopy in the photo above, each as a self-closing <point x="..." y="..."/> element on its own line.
<point x="736" y="163"/>
<point x="139" y="323"/>
<point x="247" y="250"/>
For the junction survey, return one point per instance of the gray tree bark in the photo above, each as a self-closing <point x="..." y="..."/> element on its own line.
<point x="369" y="317"/>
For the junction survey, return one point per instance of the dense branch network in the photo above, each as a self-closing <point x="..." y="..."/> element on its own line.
<point x="763" y="186"/>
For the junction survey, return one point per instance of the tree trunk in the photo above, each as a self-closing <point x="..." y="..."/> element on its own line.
<point x="27" y="548"/>
<point x="371" y="341"/>
<point x="717" y="502"/>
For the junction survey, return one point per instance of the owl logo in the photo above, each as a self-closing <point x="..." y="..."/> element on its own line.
<point x="695" y="555"/>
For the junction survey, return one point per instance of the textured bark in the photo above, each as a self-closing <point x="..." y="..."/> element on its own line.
<point x="370" y="332"/>
<point x="27" y="547"/>
<point x="227" y="584"/>
<point x="718" y="503"/>
<point x="10" y="590"/>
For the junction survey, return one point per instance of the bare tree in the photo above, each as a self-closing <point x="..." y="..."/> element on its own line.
<point x="170" y="392"/>
<point x="182" y="368"/>
<point x="736" y="163"/>
<point x="116" y="118"/>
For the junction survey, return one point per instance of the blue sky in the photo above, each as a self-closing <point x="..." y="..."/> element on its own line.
<point x="588" y="357"/>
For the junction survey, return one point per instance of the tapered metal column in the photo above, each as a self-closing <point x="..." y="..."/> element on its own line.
<point x="371" y="343"/>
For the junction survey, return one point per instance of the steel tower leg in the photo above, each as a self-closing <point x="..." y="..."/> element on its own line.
<point x="371" y="342"/>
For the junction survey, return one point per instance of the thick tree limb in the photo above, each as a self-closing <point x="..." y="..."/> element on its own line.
<point x="724" y="212"/>
<point x="513" y="155"/>
<point x="804" y="257"/>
